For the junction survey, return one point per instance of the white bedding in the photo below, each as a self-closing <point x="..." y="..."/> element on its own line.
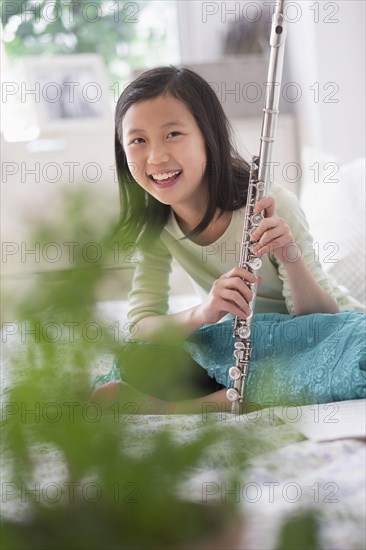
<point x="287" y="473"/>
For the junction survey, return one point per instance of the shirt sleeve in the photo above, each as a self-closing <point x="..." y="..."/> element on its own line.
<point x="150" y="286"/>
<point x="288" y="208"/>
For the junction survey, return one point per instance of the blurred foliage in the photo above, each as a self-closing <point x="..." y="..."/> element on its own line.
<point x="47" y="418"/>
<point x="112" y="485"/>
<point x="109" y="28"/>
<point x="300" y="533"/>
<point x="137" y="505"/>
<point x="64" y="27"/>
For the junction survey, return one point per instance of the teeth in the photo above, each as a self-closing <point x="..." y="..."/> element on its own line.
<point x="167" y="175"/>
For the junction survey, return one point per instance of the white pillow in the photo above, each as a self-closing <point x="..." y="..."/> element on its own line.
<point x="333" y="198"/>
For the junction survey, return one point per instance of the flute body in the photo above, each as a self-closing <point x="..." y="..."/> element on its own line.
<point x="259" y="184"/>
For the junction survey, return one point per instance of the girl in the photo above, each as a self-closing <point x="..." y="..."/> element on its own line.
<point x="183" y="189"/>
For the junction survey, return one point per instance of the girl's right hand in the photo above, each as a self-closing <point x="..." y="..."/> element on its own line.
<point x="229" y="294"/>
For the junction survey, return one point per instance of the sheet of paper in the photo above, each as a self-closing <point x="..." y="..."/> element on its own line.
<point x="327" y="421"/>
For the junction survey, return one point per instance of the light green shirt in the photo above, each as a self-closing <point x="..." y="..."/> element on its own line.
<point x="204" y="264"/>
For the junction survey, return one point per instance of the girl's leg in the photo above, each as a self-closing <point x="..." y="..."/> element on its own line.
<point x="121" y="398"/>
<point x="214" y="402"/>
<point x="124" y="399"/>
<point x="164" y="371"/>
<point x="161" y="379"/>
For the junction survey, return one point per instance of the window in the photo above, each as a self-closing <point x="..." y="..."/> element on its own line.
<point x="128" y="35"/>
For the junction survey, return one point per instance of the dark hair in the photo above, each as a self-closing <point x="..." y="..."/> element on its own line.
<point x="143" y="216"/>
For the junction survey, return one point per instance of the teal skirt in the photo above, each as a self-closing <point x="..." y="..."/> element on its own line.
<point x="295" y="360"/>
<point x="301" y="360"/>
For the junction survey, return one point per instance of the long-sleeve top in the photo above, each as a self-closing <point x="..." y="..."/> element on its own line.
<point x="204" y="264"/>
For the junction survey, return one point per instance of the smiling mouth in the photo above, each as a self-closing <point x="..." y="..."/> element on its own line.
<point x="165" y="179"/>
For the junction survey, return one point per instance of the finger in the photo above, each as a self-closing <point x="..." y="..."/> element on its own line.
<point x="238" y="313"/>
<point x="267" y="204"/>
<point x="267" y="249"/>
<point x="235" y="310"/>
<point x="243" y="288"/>
<point x="225" y="306"/>
<point x="266" y="223"/>
<point x="234" y="298"/>
<point x="237" y="284"/>
<point x="240" y="272"/>
<point x="270" y="247"/>
<point x="270" y="236"/>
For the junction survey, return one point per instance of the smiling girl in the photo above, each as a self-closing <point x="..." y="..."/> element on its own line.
<point x="183" y="190"/>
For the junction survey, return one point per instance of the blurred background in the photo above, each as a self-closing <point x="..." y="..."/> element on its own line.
<point x="65" y="63"/>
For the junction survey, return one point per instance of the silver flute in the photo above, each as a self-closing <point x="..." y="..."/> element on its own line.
<point x="259" y="183"/>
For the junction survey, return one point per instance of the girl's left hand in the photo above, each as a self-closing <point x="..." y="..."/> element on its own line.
<point x="273" y="234"/>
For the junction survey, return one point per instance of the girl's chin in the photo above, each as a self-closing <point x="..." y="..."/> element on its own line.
<point x="164" y="200"/>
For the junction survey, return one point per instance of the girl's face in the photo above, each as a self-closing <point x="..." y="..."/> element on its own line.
<point x="166" y="152"/>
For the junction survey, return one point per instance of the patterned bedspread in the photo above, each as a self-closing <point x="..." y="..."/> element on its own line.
<point x="287" y="473"/>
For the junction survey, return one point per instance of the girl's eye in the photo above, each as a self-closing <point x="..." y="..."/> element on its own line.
<point x="174" y="134"/>
<point x="137" y="140"/>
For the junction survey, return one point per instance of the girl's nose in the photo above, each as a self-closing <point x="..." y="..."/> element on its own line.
<point x="157" y="154"/>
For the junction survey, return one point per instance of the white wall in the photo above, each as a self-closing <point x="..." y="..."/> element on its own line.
<point x="323" y="47"/>
<point x="333" y="55"/>
<point x="316" y="52"/>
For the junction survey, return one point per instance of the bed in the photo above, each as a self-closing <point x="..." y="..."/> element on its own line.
<point x="287" y="472"/>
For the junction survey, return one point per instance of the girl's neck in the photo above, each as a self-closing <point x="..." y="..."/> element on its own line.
<point x="213" y="231"/>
